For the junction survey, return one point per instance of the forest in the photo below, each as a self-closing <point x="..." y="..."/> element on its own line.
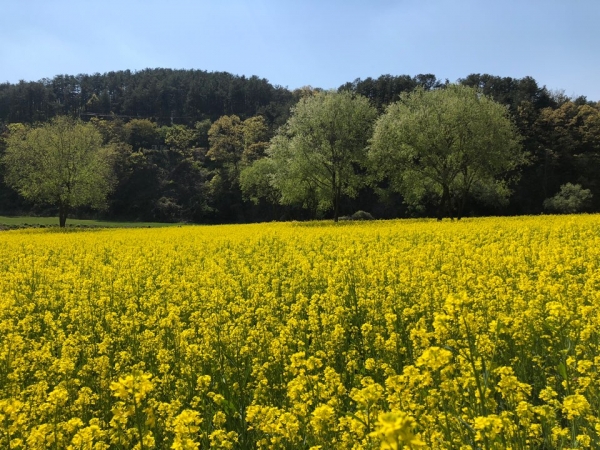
<point x="183" y="139"/>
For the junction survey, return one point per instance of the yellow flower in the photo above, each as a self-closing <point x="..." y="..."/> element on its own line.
<point x="395" y="429"/>
<point x="302" y="333"/>
<point x="434" y="358"/>
<point x="223" y="439"/>
<point x="575" y="406"/>
<point x="323" y="419"/>
<point x="487" y="426"/>
<point x="135" y="386"/>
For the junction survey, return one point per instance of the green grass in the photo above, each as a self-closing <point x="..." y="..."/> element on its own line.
<point x="53" y="221"/>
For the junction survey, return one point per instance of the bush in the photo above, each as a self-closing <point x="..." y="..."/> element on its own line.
<point x="358" y="215"/>
<point x="570" y="199"/>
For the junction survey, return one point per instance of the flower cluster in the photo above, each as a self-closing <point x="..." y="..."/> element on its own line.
<point x="483" y="333"/>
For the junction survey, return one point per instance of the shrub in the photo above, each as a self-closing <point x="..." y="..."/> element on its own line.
<point x="358" y="215"/>
<point x="571" y="198"/>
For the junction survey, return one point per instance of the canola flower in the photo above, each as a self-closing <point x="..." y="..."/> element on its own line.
<point x="478" y="334"/>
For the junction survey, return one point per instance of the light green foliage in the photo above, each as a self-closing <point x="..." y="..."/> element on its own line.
<point x="113" y="131"/>
<point x="288" y="173"/>
<point x="571" y="198"/>
<point x="234" y="143"/>
<point x="447" y="143"/>
<point x="255" y="181"/>
<point x="180" y="137"/>
<point x="61" y="162"/>
<point x="316" y="156"/>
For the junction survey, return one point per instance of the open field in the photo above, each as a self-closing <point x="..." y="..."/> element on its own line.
<point x="53" y="222"/>
<point x="479" y="334"/>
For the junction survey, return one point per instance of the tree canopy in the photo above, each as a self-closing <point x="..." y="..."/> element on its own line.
<point x="318" y="155"/>
<point x="169" y="165"/>
<point x="61" y="163"/>
<point x="447" y="144"/>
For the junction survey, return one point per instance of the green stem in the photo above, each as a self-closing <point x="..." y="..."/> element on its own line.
<point x="471" y="359"/>
<point x="138" y="424"/>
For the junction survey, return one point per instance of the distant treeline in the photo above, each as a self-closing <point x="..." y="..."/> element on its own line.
<point x="161" y="119"/>
<point x="163" y="95"/>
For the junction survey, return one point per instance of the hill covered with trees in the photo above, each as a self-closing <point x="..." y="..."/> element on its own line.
<point x="183" y="138"/>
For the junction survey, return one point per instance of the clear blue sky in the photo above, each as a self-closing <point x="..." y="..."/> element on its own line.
<point x="322" y="43"/>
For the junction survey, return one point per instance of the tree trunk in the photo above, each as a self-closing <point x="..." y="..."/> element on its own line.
<point x="444" y="203"/>
<point x="336" y="199"/>
<point x="461" y="205"/>
<point x="336" y="213"/>
<point x="62" y="215"/>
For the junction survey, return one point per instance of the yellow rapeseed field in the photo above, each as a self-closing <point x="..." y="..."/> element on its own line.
<point x="478" y="334"/>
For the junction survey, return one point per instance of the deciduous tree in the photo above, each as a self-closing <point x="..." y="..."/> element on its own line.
<point x="61" y="162"/>
<point x="318" y="155"/>
<point x="448" y="144"/>
<point x="234" y="143"/>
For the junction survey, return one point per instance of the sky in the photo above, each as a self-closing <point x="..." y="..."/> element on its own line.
<point x="295" y="43"/>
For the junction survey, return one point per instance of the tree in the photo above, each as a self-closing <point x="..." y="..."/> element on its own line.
<point x="180" y="138"/>
<point x="142" y="133"/>
<point x="226" y="143"/>
<point x="202" y="127"/>
<point x="255" y="181"/>
<point x="255" y="133"/>
<point x="447" y="144"/>
<point x="564" y="143"/>
<point x="61" y="162"/>
<point x="508" y="91"/>
<point x="235" y="144"/>
<point x="387" y="88"/>
<point x="318" y="155"/>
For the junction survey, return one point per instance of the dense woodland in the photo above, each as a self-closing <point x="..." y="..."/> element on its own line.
<point x="184" y="136"/>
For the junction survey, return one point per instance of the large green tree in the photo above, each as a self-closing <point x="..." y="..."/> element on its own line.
<point x="319" y="155"/>
<point x="446" y="144"/>
<point x="61" y="162"/>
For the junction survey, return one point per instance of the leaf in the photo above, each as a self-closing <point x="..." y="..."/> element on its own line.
<point x="562" y="370"/>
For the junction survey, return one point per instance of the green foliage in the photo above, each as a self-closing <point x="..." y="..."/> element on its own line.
<point x="387" y="88"/>
<point x="61" y="162"/>
<point x="317" y="156"/>
<point x="255" y="181"/>
<point x="570" y="129"/>
<point x="511" y="92"/>
<point x="180" y="138"/>
<point x="113" y="131"/>
<point x="226" y="141"/>
<point x="564" y="142"/>
<point x="165" y="95"/>
<point x="255" y="134"/>
<point x="202" y="129"/>
<point x="446" y="144"/>
<point x="571" y="198"/>
<point x="233" y="145"/>
<point x="142" y="133"/>
<point x="158" y="122"/>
